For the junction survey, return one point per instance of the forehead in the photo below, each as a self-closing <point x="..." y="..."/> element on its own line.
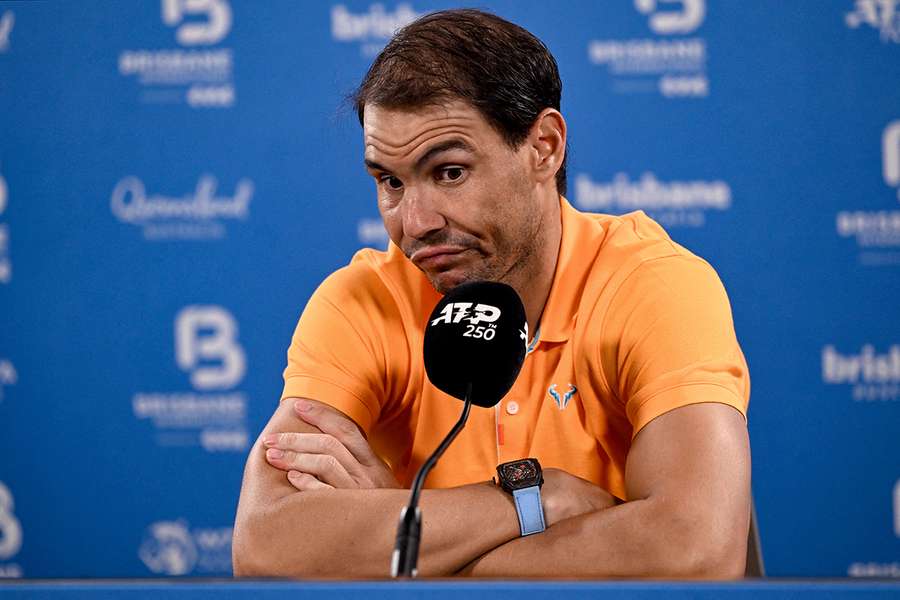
<point x="397" y="133"/>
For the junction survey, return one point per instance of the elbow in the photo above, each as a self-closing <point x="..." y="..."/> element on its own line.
<point x="248" y="552"/>
<point x="243" y="561"/>
<point x="714" y="562"/>
<point x="265" y="545"/>
<point x="699" y="548"/>
<point x="259" y="548"/>
<point x="716" y="556"/>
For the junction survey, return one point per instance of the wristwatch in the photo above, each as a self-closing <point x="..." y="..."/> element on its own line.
<point x="523" y="479"/>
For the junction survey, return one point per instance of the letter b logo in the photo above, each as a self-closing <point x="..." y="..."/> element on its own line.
<point x="208" y="333"/>
<point x="667" y="22"/>
<point x="897" y="508"/>
<point x="10" y="530"/>
<point x="3" y="193"/>
<point x="197" y="33"/>
<point x="890" y="155"/>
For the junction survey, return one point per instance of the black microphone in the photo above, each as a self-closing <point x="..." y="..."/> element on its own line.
<point x="475" y="344"/>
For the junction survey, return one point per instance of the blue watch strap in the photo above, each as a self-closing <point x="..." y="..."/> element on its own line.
<point x="530" y="510"/>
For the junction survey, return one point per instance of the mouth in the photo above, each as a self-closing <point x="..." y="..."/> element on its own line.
<point x="436" y="258"/>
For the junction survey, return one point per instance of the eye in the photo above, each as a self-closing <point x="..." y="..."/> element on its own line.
<point x="391" y="182"/>
<point x="451" y="174"/>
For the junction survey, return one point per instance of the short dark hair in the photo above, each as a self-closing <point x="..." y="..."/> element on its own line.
<point x="502" y="70"/>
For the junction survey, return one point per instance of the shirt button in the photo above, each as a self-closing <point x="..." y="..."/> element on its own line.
<point x="512" y="407"/>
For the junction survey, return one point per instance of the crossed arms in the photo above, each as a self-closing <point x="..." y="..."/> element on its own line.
<point x="327" y="506"/>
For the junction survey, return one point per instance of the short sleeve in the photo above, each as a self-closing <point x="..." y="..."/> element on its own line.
<point x="338" y="354"/>
<point x="676" y="343"/>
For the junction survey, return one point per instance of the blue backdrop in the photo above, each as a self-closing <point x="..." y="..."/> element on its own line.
<point x="176" y="177"/>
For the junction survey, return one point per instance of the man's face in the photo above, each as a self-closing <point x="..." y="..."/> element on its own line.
<point x="454" y="196"/>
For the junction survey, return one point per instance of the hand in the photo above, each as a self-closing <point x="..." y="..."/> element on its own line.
<point x="566" y="496"/>
<point x="339" y="457"/>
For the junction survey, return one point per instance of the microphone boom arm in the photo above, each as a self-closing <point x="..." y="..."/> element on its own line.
<point x="409" y="531"/>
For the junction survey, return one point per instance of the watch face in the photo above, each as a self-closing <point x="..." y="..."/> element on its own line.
<point x="520" y="474"/>
<point x="519" y="471"/>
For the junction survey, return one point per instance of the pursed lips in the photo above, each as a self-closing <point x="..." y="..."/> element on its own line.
<point x="436" y="257"/>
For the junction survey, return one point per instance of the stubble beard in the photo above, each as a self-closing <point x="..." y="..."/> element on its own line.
<point x="515" y="271"/>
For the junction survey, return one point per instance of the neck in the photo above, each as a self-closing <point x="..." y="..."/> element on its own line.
<point x="534" y="287"/>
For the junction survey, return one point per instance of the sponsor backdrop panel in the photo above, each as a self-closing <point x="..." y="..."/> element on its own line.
<point x="177" y="176"/>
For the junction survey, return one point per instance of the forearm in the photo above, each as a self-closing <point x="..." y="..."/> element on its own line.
<point x="350" y="533"/>
<point x="643" y="538"/>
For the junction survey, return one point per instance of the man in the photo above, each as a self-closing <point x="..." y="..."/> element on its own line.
<point x="632" y="396"/>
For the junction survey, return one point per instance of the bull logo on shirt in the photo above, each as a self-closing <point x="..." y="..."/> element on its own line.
<point x="457" y="311"/>
<point x="563" y="402"/>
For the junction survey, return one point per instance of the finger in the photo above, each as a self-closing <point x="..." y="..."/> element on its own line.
<point x="306" y="482"/>
<point x="323" y="467"/>
<point x="314" y="443"/>
<point x="341" y="427"/>
<point x="277" y="460"/>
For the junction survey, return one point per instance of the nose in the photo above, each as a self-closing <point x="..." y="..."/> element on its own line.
<point x="421" y="214"/>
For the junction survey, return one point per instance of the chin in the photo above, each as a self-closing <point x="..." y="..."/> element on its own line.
<point x="445" y="282"/>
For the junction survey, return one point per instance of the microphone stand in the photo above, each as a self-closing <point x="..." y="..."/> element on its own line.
<point x="409" y="531"/>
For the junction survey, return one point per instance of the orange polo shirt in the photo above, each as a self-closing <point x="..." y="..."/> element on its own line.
<point x="635" y="326"/>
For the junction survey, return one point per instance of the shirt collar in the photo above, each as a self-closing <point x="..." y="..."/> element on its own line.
<point x="573" y="265"/>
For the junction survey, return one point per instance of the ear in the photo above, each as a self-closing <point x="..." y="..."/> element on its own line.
<point x="547" y="140"/>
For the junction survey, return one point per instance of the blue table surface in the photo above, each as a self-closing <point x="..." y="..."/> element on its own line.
<point x="438" y="590"/>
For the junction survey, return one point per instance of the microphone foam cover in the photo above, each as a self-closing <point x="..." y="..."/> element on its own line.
<point x="477" y="333"/>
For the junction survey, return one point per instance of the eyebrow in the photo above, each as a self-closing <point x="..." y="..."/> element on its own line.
<point x="456" y="144"/>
